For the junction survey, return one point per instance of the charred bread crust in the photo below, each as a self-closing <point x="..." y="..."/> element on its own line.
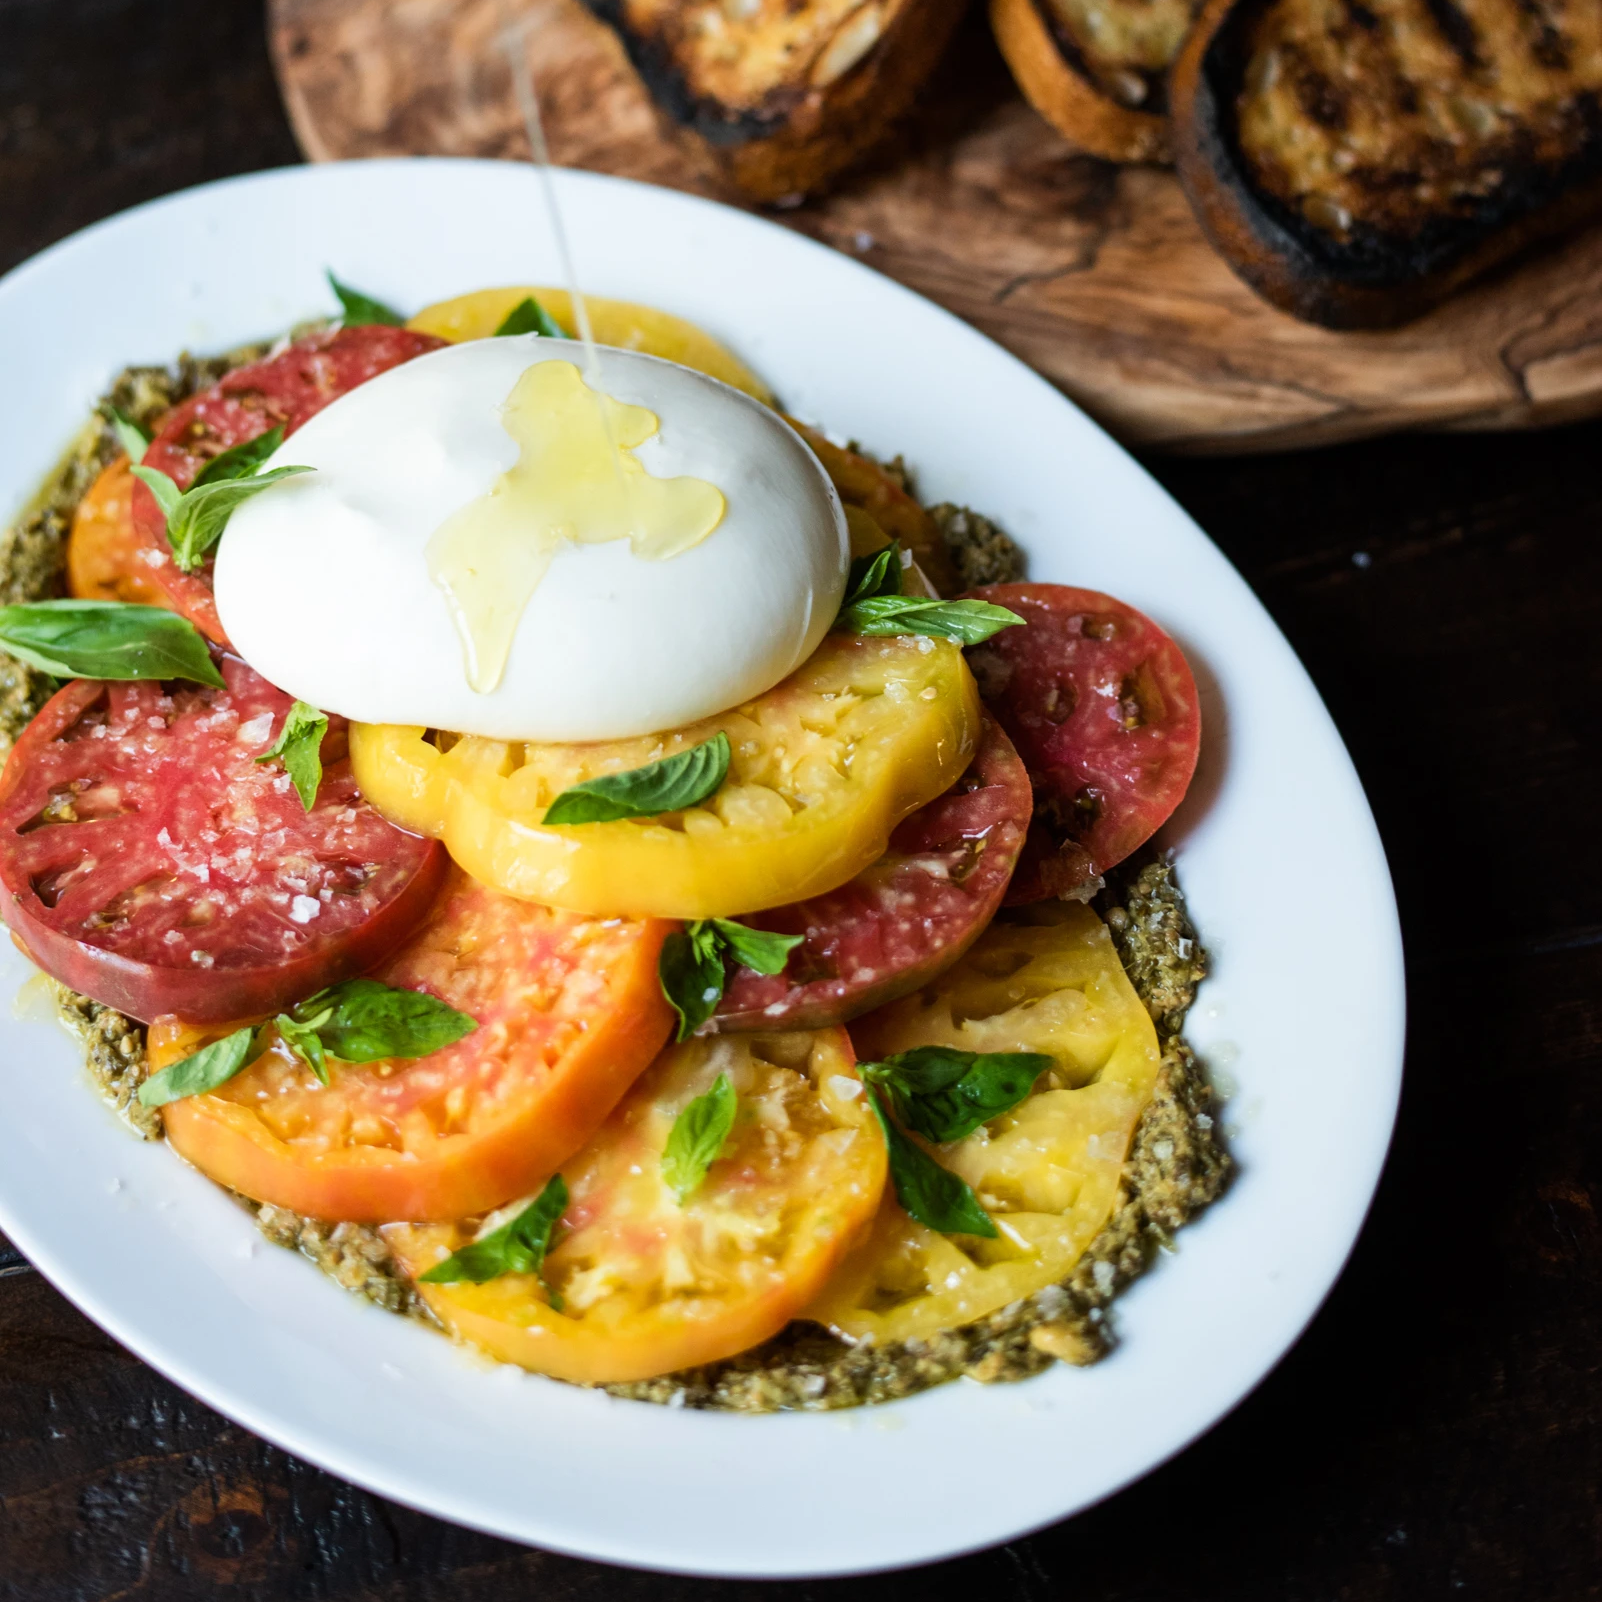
<point x="1052" y="75"/>
<point x="1362" y="276"/>
<point x="791" y="136"/>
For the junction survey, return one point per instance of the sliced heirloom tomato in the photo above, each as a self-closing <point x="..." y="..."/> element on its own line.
<point x="107" y="558"/>
<point x="621" y="323"/>
<point x="904" y="920"/>
<point x="865" y="486"/>
<point x="647" y="1285"/>
<point x="119" y="548"/>
<point x="150" y="862"/>
<point x="1048" y="1172"/>
<point x="824" y="766"/>
<point x="569" y="1012"/>
<point x="1102" y="707"/>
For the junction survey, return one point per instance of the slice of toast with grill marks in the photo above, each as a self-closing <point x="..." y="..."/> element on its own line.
<point x="1356" y="161"/>
<point x="1097" y="70"/>
<point x="779" y="96"/>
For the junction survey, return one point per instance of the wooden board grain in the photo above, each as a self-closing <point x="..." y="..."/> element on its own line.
<point x="1096" y="275"/>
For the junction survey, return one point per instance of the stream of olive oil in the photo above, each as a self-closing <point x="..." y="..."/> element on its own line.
<point x="514" y="43"/>
<point x="572" y="484"/>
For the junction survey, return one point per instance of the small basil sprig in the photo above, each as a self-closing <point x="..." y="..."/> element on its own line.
<point x="361" y="311"/>
<point x="529" y="317"/>
<point x="669" y="785"/>
<point x="878" y="573"/>
<point x="362" y="1020"/>
<point x="698" y="1136"/>
<point x="106" y="640"/>
<point x="693" y="966"/>
<point x="874" y="604"/>
<point x="197" y="516"/>
<point x="933" y="1195"/>
<point x="133" y="439"/>
<point x="299" y="747"/>
<point x="945" y="1094"/>
<point x="518" y="1247"/>
<point x="966" y="622"/>
<point x="209" y="1067"/>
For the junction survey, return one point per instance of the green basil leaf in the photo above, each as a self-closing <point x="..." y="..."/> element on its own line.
<point x="529" y="317"/>
<point x="967" y="622"/>
<point x="666" y="786"/>
<point x="878" y="573"/>
<point x="195" y="522"/>
<point x="944" y="1094"/>
<point x="106" y="640"/>
<point x="304" y="1040"/>
<point x="209" y="1067"/>
<point x="300" y="747"/>
<point x="690" y="971"/>
<point x="240" y="461"/>
<point x="361" y="310"/>
<point x="698" y="1136"/>
<point x="757" y="949"/>
<point x="168" y="496"/>
<point x="933" y="1195"/>
<point x="133" y="439"/>
<point x="367" y="1021"/>
<point x="519" y="1247"/>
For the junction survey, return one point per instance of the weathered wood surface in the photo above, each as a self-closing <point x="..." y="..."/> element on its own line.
<point x="1096" y="276"/>
<point x="1437" y="1434"/>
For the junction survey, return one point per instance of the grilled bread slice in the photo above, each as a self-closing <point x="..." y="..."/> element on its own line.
<point x="1355" y="161"/>
<point x="1097" y="70"/>
<point x="777" y="96"/>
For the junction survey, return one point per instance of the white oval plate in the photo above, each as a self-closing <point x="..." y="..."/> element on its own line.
<point x="1278" y="854"/>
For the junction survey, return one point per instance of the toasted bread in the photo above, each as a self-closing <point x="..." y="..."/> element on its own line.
<point x="1357" y="162"/>
<point x="1097" y="70"/>
<point x="778" y="96"/>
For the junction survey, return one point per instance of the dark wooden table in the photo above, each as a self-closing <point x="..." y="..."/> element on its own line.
<point x="1438" y="1431"/>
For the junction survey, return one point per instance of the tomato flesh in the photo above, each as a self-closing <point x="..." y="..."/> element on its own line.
<point x="650" y="1285"/>
<point x="1102" y="707"/>
<point x="1050" y="1171"/>
<point x="865" y="485"/>
<point x="823" y="768"/>
<point x="286" y="389"/>
<point x="106" y="555"/>
<point x="149" y="862"/>
<point x="906" y="918"/>
<point x="569" y="1012"/>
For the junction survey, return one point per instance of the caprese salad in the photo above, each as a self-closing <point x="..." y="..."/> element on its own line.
<point x="555" y="814"/>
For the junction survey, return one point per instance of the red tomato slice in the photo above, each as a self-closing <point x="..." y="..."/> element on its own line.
<point x="569" y="1013"/>
<point x="906" y="918"/>
<point x="149" y="862"/>
<point x="1103" y="710"/>
<point x="288" y="388"/>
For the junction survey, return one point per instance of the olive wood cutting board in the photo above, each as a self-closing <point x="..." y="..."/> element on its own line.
<point x="1095" y="275"/>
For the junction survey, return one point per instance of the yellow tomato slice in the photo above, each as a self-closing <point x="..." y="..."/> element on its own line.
<point x="613" y="322"/>
<point x="824" y="766"/>
<point x="648" y="1285"/>
<point x="1048" y="1172"/>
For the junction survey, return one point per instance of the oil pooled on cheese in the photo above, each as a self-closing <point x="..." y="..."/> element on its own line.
<point x="575" y="482"/>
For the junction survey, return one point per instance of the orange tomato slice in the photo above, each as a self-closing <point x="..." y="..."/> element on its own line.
<point x="649" y="1286"/>
<point x="569" y="1012"/>
<point x="104" y="548"/>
